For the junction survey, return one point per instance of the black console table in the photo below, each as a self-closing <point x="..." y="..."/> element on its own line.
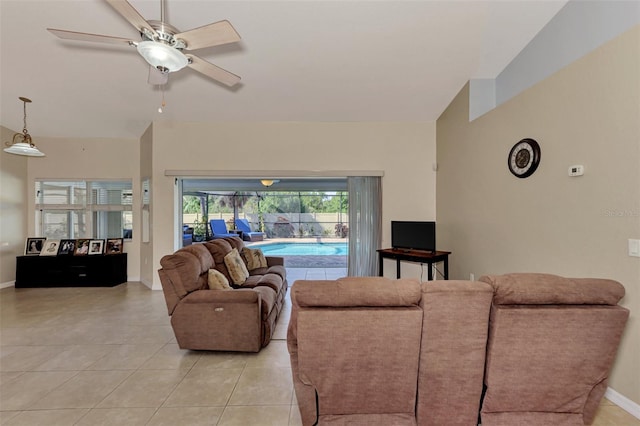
<point x="414" y="256"/>
<point x="71" y="271"/>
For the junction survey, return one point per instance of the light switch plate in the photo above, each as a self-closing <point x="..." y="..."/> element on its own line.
<point x="634" y="247"/>
<point x="577" y="170"/>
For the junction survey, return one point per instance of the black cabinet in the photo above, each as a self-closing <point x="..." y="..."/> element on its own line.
<point x="71" y="271"/>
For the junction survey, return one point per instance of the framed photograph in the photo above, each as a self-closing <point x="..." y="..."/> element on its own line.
<point x="50" y="248"/>
<point x="114" y="246"/>
<point x="96" y="246"/>
<point x="34" y="246"/>
<point x="82" y="247"/>
<point x="67" y="247"/>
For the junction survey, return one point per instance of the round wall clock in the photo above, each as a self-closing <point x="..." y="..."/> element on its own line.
<point x="524" y="158"/>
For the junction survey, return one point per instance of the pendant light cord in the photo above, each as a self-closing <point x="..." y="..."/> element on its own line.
<point x="24" y="109"/>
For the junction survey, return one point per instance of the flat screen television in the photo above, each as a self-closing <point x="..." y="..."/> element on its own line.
<point x="409" y="235"/>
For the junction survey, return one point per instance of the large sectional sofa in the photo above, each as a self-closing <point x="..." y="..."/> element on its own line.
<point x="242" y="316"/>
<point x="516" y="349"/>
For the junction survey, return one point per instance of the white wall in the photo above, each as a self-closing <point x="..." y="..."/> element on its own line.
<point x="578" y="28"/>
<point x="13" y="204"/>
<point x="587" y="113"/>
<point x="405" y="153"/>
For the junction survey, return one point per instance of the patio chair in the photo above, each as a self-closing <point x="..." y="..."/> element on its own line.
<point x="247" y="234"/>
<point x="219" y="229"/>
<point x="187" y="235"/>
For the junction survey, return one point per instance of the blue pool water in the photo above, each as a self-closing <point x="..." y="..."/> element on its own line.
<point x="302" y="249"/>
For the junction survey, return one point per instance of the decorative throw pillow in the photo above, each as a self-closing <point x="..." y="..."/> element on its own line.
<point x="254" y="258"/>
<point x="237" y="269"/>
<point x="217" y="281"/>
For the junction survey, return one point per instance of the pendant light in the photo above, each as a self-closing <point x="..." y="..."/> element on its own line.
<point x="22" y="144"/>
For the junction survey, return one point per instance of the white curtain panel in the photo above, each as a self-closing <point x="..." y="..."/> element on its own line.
<point x="365" y="225"/>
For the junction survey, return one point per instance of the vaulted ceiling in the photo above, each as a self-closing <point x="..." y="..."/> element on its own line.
<point x="299" y="61"/>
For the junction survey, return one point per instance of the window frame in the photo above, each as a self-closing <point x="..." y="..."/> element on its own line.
<point x="91" y="206"/>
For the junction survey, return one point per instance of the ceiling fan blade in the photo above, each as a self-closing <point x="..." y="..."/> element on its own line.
<point x="128" y="12"/>
<point x="73" y="35"/>
<point x="215" y="34"/>
<point x="213" y="71"/>
<point x="157" y="77"/>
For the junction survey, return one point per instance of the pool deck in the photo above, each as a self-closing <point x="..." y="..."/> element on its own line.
<point x="312" y="261"/>
<point x="294" y="274"/>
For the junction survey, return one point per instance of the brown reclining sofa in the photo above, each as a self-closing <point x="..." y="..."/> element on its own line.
<point x="511" y="350"/>
<point x="242" y="318"/>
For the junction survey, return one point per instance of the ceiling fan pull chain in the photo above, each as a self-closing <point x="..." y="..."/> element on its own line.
<point x="163" y="102"/>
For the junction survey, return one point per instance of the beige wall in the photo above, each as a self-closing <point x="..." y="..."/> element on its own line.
<point x="403" y="151"/>
<point x="90" y="159"/>
<point x="13" y="201"/>
<point x="588" y="113"/>
<point x="147" y="271"/>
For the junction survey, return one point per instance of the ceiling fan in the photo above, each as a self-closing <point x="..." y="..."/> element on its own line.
<point x="162" y="45"/>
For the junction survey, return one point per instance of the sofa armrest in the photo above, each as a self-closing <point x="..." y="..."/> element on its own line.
<point x="171" y="297"/>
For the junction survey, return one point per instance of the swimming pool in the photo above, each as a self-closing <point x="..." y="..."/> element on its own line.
<point x="304" y="249"/>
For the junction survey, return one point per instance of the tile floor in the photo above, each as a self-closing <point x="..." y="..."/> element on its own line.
<point x="107" y="356"/>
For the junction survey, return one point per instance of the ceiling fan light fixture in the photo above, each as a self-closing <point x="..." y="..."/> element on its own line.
<point x="22" y="144"/>
<point x="162" y="56"/>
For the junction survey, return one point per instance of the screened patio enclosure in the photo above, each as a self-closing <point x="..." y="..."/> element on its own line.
<point x="289" y="208"/>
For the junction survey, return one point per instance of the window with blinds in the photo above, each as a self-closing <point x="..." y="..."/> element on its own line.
<point x="84" y="209"/>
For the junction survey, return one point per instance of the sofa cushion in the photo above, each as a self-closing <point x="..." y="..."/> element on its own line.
<point x="272" y="281"/>
<point x="547" y="289"/>
<point x="254" y="258"/>
<point x="236" y="267"/>
<point x="217" y="281"/>
<point x="273" y="269"/>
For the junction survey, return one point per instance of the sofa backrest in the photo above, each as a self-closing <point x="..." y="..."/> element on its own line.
<point x="453" y="349"/>
<point x="355" y="345"/>
<point x="184" y="271"/>
<point x="552" y="342"/>
<point x="219" y="248"/>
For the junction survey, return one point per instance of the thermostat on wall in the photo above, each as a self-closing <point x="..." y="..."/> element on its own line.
<point x="576" y="170"/>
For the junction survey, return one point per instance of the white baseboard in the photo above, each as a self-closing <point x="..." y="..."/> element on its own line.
<point x="149" y="284"/>
<point x="623" y="402"/>
<point x="8" y="284"/>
